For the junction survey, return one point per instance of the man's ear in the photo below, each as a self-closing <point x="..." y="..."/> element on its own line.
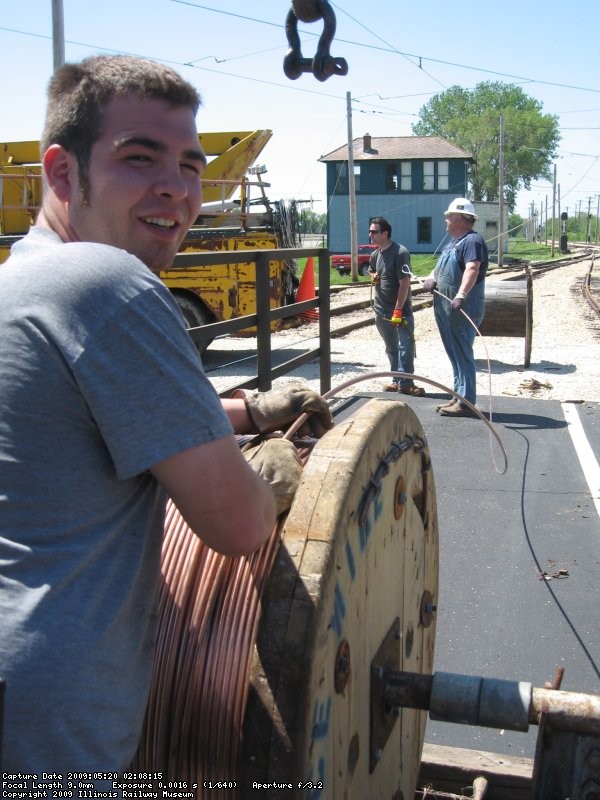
<point x="60" y="169"/>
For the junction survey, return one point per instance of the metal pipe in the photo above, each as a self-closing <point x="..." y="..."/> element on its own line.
<point x="567" y="711"/>
<point x="492" y="703"/>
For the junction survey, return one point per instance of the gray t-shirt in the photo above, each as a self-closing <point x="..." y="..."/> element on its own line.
<point x="99" y="381"/>
<point x="392" y="265"/>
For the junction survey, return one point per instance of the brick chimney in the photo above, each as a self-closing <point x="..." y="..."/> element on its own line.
<point x="367" y="143"/>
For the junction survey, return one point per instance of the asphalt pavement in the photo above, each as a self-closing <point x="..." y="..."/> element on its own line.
<point x="519" y="552"/>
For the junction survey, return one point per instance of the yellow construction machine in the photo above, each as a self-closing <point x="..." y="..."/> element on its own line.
<point x="236" y="215"/>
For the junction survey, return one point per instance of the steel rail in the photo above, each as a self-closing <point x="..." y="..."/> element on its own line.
<point x="590" y="296"/>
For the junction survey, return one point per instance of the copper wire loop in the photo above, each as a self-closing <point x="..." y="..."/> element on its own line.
<point x="209" y="610"/>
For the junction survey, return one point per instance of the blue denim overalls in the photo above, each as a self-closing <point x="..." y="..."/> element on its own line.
<point x="457" y="332"/>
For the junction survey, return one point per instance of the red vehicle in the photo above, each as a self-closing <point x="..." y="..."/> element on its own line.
<point x="341" y="261"/>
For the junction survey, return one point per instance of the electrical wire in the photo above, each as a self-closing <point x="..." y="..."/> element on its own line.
<point x="421" y="58"/>
<point x="386" y="374"/>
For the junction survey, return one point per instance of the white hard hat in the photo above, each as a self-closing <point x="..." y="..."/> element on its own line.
<point x="461" y="206"/>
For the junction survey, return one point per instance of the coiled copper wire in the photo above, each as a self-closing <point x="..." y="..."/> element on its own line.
<point x="209" y="613"/>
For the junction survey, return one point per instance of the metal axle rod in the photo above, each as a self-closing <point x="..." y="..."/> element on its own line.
<point x="492" y="703"/>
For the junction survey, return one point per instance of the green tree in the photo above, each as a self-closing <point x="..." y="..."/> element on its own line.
<point x="515" y="224"/>
<point x="311" y="222"/>
<point x="470" y="118"/>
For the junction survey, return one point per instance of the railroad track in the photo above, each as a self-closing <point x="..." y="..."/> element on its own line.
<point x="347" y="316"/>
<point x="591" y="288"/>
<point x="359" y="313"/>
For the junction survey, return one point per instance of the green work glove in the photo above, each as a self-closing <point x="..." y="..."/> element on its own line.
<point x="275" y="410"/>
<point x="277" y="462"/>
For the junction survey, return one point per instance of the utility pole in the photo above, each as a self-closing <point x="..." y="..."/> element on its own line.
<point x="587" y="222"/>
<point x="553" y="211"/>
<point x="352" y="194"/>
<point x="501" y="196"/>
<point x="58" y="34"/>
<point x="531" y="226"/>
<point x="597" y="217"/>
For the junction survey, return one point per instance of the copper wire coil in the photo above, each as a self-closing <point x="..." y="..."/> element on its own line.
<point x="209" y="613"/>
<point x="193" y="714"/>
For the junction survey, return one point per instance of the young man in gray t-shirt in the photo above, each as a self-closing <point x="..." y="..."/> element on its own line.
<point x="104" y="411"/>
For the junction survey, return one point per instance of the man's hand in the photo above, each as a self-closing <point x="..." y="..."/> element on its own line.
<point x="429" y="284"/>
<point x="457" y="302"/>
<point x="273" y="411"/>
<point x="277" y="462"/>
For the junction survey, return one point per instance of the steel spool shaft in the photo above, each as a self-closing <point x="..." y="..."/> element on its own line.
<point x="489" y="702"/>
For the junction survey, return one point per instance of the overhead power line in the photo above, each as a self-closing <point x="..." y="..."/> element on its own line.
<point x="389" y="49"/>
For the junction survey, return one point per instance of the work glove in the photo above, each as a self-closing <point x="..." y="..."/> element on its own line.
<point x="397" y="318"/>
<point x="429" y="284"/>
<point x="273" y="411"/>
<point x="277" y="462"/>
<point x="457" y="302"/>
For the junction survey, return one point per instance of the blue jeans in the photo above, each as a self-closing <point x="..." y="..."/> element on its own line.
<point x="399" y="346"/>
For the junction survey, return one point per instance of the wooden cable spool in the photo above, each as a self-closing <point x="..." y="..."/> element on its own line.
<point x="509" y="311"/>
<point x="267" y="669"/>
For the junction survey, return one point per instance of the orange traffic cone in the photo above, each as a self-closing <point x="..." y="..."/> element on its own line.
<point x="306" y="289"/>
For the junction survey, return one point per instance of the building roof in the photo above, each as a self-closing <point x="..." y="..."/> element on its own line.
<point x="369" y="148"/>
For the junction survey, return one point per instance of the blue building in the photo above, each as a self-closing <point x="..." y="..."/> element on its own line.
<point x="409" y="180"/>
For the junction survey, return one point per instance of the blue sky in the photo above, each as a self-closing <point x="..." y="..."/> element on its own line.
<point x="399" y="55"/>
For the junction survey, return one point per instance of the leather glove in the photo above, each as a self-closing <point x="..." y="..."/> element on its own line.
<point x="277" y="462"/>
<point x="429" y="284"/>
<point x="272" y="411"/>
<point x="457" y="303"/>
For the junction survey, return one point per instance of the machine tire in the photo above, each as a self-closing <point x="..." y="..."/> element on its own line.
<point x="195" y="314"/>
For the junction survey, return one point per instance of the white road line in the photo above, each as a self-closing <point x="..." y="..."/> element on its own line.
<point x="584" y="451"/>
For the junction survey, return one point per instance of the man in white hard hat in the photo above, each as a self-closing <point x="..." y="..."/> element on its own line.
<point x="459" y="277"/>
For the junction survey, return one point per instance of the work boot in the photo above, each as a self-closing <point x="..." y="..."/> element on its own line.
<point x="447" y="404"/>
<point x="414" y="391"/>
<point x="456" y="410"/>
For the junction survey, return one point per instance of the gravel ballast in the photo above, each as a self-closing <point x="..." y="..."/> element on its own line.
<point x="564" y="365"/>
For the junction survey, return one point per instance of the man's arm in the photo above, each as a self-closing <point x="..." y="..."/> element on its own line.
<point x="403" y="274"/>
<point x="469" y="277"/>
<point x="226" y="503"/>
<point x="403" y="289"/>
<point x="471" y="252"/>
<point x="229" y="504"/>
<point x="237" y="411"/>
<point x="373" y="267"/>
